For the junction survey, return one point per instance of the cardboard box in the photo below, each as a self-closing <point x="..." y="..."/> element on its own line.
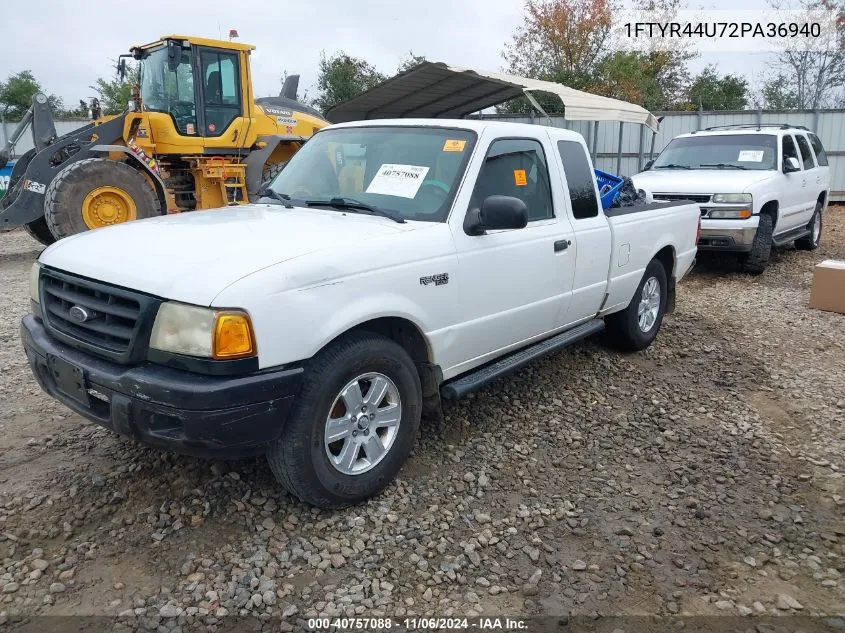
<point x="828" y="290"/>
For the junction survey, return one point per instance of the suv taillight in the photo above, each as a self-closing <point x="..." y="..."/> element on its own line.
<point x="698" y="231"/>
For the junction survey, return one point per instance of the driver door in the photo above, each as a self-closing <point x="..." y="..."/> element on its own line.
<point x="221" y="97"/>
<point x="513" y="283"/>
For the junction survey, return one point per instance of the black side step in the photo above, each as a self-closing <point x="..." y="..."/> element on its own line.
<point x="791" y="236"/>
<point x="480" y="377"/>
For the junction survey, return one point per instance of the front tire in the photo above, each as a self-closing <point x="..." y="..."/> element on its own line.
<point x="353" y="423"/>
<point x="97" y="192"/>
<point x="635" y="327"/>
<point x="811" y="242"/>
<point x="755" y="261"/>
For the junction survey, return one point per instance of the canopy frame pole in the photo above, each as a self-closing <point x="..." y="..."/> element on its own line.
<point x="619" y="150"/>
<point x="537" y="105"/>
<point x="641" y="149"/>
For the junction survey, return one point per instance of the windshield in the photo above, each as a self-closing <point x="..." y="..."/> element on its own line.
<point x="165" y="90"/>
<point x="725" y="151"/>
<point x="410" y="172"/>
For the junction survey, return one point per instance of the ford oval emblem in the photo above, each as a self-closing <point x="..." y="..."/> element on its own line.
<point x="79" y="314"/>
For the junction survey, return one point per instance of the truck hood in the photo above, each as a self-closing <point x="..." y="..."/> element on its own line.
<point x="192" y="257"/>
<point x="699" y="180"/>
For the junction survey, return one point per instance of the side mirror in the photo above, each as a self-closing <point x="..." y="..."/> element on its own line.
<point x="121" y="68"/>
<point x="496" y="212"/>
<point x="648" y="165"/>
<point x="174" y="55"/>
<point x="790" y="164"/>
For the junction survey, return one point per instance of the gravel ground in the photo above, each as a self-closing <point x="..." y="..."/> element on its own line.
<point x="701" y="477"/>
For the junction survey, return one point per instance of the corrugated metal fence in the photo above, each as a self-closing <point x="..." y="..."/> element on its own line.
<point x="636" y="141"/>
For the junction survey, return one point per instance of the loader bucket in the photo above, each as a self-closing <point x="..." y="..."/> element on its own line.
<point x="24" y="201"/>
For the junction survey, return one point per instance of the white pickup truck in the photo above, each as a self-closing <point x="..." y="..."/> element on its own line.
<point x="389" y="264"/>
<point x="758" y="187"/>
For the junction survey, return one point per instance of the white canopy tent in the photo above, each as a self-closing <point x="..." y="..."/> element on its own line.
<point x="437" y="90"/>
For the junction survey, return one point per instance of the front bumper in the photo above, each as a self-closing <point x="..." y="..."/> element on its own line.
<point x="210" y="416"/>
<point x="728" y="235"/>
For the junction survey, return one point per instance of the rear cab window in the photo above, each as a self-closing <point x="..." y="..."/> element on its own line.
<point x="579" y="179"/>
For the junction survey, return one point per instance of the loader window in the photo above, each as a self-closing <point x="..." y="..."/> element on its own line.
<point x="221" y="90"/>
<point x="172" y="92"/>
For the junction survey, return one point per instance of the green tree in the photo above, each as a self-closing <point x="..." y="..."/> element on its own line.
<point x="342" y="77"/>
<point x="16" y="95"/>
<point x="115" y="93"/>
<point x="778" y="93"/>
<point x="712" y="91"/>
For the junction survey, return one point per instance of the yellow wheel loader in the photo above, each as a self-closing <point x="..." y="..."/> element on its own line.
<point x="194" y="137"/>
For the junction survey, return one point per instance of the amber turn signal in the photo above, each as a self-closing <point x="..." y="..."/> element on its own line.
<point x="233" y="336"/>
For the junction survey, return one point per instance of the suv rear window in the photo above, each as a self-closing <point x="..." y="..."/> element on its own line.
<point x="821" y="157"/>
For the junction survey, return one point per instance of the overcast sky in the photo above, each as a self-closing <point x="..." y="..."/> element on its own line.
<point x="67" y="45"/>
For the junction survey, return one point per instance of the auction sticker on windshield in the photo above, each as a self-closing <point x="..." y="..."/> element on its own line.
<point x="750" y="156"/>
<point x="398" y="180"/>
<point x="454" y="145"/>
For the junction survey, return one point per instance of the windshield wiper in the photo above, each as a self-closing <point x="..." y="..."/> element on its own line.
<point x="355" y="205"/>
<point x="672" y="166"/>
<point x="275" y="195"/>
<point x="723" y="166"/>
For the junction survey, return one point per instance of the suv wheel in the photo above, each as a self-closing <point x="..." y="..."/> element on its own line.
<point x="754" y="262"/>
<point x="811" y="241"/>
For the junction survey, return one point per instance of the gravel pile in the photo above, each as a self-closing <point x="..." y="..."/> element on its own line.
<point x="701" y="477"/>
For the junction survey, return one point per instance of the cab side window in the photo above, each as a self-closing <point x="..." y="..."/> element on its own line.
<point x="516" y="168"/>
<point x="806" y="154"/>
<point x="579" y="179"/>
<point x="821" y="157"/>
<point x="789" y="149"/>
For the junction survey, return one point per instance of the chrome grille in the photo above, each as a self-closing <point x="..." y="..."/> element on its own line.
<point x="695" y="197"/>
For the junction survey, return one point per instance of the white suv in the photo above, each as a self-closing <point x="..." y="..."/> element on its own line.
<point x="757" y="186"/>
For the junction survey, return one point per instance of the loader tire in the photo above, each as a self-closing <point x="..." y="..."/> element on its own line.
<point x="97" y="192"/>
<point x="39" y="231"/>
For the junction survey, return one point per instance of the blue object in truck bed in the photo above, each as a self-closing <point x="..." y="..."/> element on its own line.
<point x="609" y="187"/>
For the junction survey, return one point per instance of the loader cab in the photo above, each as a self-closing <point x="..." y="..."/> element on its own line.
<point x="195" y="92"/>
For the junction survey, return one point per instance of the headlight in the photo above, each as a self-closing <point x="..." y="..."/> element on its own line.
<point x="195" y="331"/>
<point x="730" y="214"/>
<point x="33" y="282"/>
<point x="732" y="198"/>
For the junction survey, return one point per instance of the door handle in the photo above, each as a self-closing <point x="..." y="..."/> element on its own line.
<point x="562" y="245"/>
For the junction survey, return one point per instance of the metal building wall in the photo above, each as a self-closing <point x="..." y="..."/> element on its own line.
<point x="636" y="140"/>
<point x="829" y="125"/>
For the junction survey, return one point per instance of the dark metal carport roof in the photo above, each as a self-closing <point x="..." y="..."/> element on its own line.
<point x="437" y="90"/>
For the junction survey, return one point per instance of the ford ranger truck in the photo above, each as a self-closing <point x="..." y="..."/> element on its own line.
<point x="758" y="187"/>
<point x="389" y="265"/>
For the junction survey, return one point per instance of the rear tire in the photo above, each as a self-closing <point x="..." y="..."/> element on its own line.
<point x="635" y="327"/>
<point x="68" y="197"/>
<point x="811" y="241"/>
<point x="38" y="230"/>
<point x="314" y="469"/>
<point x="756" y="260"/>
